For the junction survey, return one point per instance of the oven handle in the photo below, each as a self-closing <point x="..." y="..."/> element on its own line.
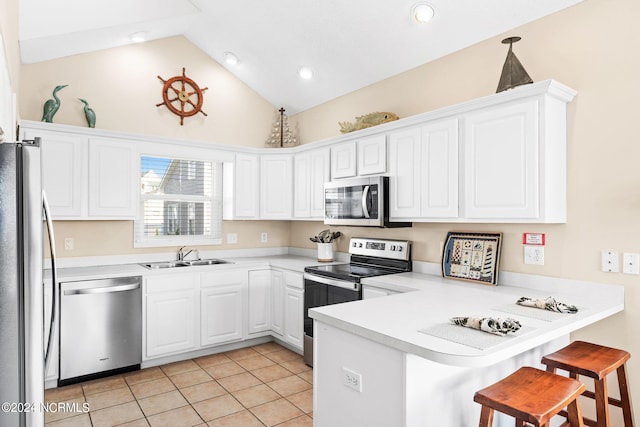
<point x="333" y="282"/>
<point x="365" y="197"/>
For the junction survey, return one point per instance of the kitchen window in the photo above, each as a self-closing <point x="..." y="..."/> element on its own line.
<point x="181" y="202"/>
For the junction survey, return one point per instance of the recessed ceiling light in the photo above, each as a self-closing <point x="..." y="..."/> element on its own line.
<point x="305" y="73"/>
<point x="139" y="37"/>
<point x="422" y="12"/>
<point x="230" y="58"/>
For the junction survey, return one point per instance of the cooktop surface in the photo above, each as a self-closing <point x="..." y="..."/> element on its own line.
<point x="348" y="271"/>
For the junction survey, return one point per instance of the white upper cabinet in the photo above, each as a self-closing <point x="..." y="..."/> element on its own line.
<point x="423" y="164"/>
<point x="276" y="186"/>
<point x="372" y="155"/>
<point x="343" y="160"/>
<point x="515" y="160"/>
<point x="311" y="171"/>
<point x="247" y="186"/>
<point x="501" y="149"/>
<point x="86" y="177"/>
<point x="63" y="171"/>
<point x="365" y="156"/>
<point x="113" y="178"/>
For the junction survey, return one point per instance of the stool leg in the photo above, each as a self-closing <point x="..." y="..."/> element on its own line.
<point x="575" y="414"/>
<point x="625" y="398"/>
<point x="486" y="417"/>
<point x="602" y="402"/>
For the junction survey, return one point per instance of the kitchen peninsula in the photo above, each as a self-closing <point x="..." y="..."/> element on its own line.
<point x="401" y="376"/>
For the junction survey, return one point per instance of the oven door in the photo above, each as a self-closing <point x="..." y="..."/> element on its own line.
<point x="318" y="292"/>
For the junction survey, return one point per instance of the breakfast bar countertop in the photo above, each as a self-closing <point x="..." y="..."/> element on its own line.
<point x="395" y="320"/>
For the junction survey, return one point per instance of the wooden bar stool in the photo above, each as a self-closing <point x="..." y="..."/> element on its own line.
<point x="532" y="396"/>
<point x="595" y="361"/>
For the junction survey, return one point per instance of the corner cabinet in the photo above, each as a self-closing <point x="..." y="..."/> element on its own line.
<point x="85" y="176"/>
<point x="514" y="159"/>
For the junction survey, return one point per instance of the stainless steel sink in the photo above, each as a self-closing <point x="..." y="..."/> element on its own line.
<point x="175" y="264"/>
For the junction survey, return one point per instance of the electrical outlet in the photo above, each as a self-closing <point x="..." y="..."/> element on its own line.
<point x="68" y="243"/>
<point x="610" y="262"/>
<point x="631" y="263"/>
<point x="232" y="238"/>
<point x="534" y="254"/>
<point x="352" y="379"/>
<point x="264" y="237"/>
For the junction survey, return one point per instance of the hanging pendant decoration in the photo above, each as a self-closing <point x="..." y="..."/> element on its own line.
<point x="281" y="134"/>
<point x="182" y="96"/>
<point x="513" y="73"/>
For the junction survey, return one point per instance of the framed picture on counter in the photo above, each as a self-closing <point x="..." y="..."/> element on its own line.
<point x="473" y="257"/>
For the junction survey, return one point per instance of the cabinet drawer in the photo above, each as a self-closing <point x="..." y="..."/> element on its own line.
<point x="214" y="278"/>
<point x="294" y="280"/>
<point x="172" y="282"/>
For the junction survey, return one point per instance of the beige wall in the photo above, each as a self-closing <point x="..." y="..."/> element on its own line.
<point x="9" y="29"/>
<point x="593" y="48"/>
<point x="122" y="86"/>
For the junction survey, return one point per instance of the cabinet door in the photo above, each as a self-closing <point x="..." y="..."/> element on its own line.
<point x="343" y="160"/>
<point x="320" y="173"/>
<point x="113" y="179"/>
<point x="311" y="171"/>
<point x="222" y="314"/>
<point x="404" y="168"/>
<point x="501" y="162"/>
<point x="276" y="186"/>
<point x="259" y="301"/>
<point x="293" y="316"/>
<point x="372" y="155"/>
<point x="247" y="187"/>
<point x="172" y="317"/>
<point x="439" y="170"/>
<point x="63" y="171"/>
<point x="302" y="185"/>
<point x="277" y="301"/>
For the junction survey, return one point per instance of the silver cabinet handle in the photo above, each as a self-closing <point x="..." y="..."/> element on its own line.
<point x="103" y="290"/>
<point x="365" y="196"/>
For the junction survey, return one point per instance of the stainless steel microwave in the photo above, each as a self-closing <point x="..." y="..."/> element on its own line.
<point x="359" y="202"/>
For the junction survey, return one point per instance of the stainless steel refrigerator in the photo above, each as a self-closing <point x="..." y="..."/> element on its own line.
<point x="22" y="352"/>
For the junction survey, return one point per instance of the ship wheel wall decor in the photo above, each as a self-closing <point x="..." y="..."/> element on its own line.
<point x="182" y="96"/>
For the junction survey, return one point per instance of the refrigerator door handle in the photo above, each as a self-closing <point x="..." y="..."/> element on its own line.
<point x="54" y="305"/>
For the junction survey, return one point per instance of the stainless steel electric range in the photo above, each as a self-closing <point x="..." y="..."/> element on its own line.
<point x="337" y="283"/>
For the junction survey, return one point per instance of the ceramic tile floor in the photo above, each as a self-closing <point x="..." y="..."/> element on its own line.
<point x="263" y="385"/>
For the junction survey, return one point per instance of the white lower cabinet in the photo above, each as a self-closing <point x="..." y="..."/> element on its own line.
<point x="184" y="312"/>
<point x="293" y="315"/>
<point x="172" y="314"/>
<point x="221" y="306"/>
<point x="277" y="302"/>
<point x="259" y="306"/>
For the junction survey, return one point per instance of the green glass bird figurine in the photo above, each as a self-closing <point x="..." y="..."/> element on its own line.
<point x="52" y="105"/>
<point x="89" y="114"/>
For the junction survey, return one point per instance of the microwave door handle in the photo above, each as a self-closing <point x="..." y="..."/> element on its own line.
<point x="365" y="197"/>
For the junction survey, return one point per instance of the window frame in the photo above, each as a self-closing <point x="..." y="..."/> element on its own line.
<point x="177" y="152"/>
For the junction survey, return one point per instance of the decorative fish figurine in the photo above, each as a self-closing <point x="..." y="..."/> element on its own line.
<point x="368" y="120"/>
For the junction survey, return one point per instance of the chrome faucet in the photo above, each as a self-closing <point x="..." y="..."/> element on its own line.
<point x="182" y="255"/>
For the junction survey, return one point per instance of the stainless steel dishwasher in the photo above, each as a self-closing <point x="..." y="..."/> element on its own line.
<point x="100" y="327"/>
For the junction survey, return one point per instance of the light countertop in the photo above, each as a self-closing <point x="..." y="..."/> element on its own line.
<point x="395" y="320"/>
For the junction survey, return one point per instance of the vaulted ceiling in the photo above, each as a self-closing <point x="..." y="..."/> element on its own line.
<point x="348" y="44"/>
